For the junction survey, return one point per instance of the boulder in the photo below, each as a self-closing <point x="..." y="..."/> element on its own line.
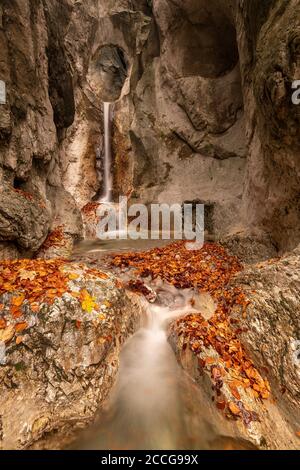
<point x="24" y="219"/>
<point x="58" y="352"/>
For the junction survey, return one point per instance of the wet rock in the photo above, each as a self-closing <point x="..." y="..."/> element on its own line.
<point x="57" y="371"/>
<point x="234" y="413"/>
<point x="8" y="251"/>
<point x="270" y="327"/>
<point x="269" y="33"/>
<point x="23" y="219"/>
<point x="250" y="247"/>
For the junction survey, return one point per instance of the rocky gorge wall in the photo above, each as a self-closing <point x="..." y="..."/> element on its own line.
<point x="203" y="112"/>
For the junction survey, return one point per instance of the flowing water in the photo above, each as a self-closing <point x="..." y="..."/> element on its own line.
<point x="148" y="405"/>
<point x="107" y="195"/>
<point x="154" y="404"/>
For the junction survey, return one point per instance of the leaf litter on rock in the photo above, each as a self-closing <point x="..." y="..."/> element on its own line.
<point x="208" y="270"/>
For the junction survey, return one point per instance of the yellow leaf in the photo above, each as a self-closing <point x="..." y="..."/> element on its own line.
<point x="88" y="304"/>
<point x="25" y="275"/>
<point x="73" y="276"/>
<point x="7" y="334"/>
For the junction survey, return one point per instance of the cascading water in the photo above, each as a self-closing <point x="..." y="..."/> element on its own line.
<point x="108" y="182"/>
<point x="153" y="402"/>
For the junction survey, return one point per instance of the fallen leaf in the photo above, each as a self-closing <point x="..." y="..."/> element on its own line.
<point x="221" y="405"/>
<point x="88" y="303"/>
<point x="16" y="312"/>
<point x="234" y="408"/>
<point x="7" y="334"/>
<point x="17" y="301"/>
<point x="25" y="275"/>
<point x="21" y="327"/>
<point x="101" y="275"/>
<point x="234" y="392"/>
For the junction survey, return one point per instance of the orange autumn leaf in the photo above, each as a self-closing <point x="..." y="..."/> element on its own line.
<point x="19" y="340"/>
<point x="16" y="312"/>
<point x="2" y="323"/>
<point x="234" y="408"/>
<point x="102" y="275"/>
<point x="221" y="405"/>
<point x="234" y="392"/>
<point x="17" y="301"/>
<point x="209" y="360"/>
<point x="21" y="327"/>
<point x="35" y="307"/>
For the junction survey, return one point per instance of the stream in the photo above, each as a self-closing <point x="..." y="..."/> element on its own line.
<point x="154" y="404"/>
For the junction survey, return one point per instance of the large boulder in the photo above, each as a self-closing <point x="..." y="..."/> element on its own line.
<point x="258" y="391"/>
<point x="23" y="218"/>
<point x="270" y="327"/>
<point x="61" y="329"/>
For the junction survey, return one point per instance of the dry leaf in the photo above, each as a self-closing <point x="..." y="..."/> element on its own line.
<point x="7" y="334"/>
<point x="19" y="339"/>
<point x="234" y="408"/>
<point x="21" y="327"/>
<point x="27" y="275"/>
<point x="17" y="301"/>
<point x="234" y="392"/>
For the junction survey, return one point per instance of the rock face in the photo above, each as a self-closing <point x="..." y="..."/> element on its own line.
<point x="203" y="95"/>
<point x="269" y="331"/>
<point x="59" y="363"/>
<point x="271" y="326"/>
<point x="210" y="104"/>
<point x="187" y="118"/>
<point x="39" y="106"/>
<point x="269" y="36"/>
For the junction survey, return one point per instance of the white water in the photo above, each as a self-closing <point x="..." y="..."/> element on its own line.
<point x="154" y="404"/>
<point x="108" y="181"/>
<point x="149" y="402"/>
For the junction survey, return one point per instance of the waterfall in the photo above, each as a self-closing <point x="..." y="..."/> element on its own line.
<point x="108" y="182"/>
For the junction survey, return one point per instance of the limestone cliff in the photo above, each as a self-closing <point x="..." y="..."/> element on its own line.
<point x="203" y="111"/>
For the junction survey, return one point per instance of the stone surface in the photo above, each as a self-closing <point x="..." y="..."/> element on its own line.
<point x="269" y="35"/>
<point x="203" y="95"/>
<point x="23" y="219"/>
<point x="57" y="374"/>
<point x="40" y="106"/>
<point x="273" y="431"/>
<point x="272" y="325"/>
<point x="8" y="251"/>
